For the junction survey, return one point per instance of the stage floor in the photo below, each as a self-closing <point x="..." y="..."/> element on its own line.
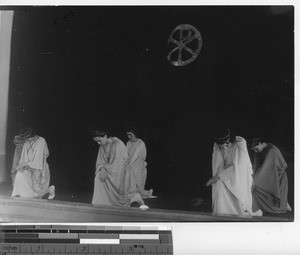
<point x="162" y="202"/>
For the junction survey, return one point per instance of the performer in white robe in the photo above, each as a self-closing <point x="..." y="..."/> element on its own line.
<point x="31" y="174"/>
<point x="136" y="164"/>
<point x="110" y="174"/>
<point x="232" y="176"/>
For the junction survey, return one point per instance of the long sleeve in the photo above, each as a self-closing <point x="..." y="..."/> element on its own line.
<point x="113" y="163"/>
<point x="136" y="152"/>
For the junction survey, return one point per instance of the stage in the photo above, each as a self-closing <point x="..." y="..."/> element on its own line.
<point x="66" y="207"/>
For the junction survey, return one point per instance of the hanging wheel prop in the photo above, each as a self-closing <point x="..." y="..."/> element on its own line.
<point x="185" y="44"/>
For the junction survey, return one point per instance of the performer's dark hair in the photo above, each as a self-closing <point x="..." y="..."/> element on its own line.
<point x="99" y="133"/>
<point x="132" y="130"/>
<point x="256" y="141"/>
<point x="23" y="134"/>
<point x="27" y="131"/>
<point x="223" y="134"/>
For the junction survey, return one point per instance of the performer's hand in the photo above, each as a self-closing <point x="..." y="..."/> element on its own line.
<point x="22" y="167"/>
<point x="102" y="175"/>
<point x="213" y="180"/>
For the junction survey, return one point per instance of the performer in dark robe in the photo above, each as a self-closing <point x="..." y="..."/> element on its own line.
<point x="270" y="182"/>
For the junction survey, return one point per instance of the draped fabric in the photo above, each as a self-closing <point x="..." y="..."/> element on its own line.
<point x="32" y="171"/>
<point x="111" y="191"/>
<point x="16" y="160"/>
<point x="231" y="194"/>
<point x="136" y="168"/>
<point x="270" y="183"/>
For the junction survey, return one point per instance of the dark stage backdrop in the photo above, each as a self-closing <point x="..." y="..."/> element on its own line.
<point x="74" y="69"/>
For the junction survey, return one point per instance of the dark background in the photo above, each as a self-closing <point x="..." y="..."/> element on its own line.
<point x="75" y="68"/>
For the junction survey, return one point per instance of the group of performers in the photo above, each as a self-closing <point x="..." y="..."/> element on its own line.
<point x="121" y="171"/>
<point x="239" y="187"/>
<point x="120" y="174"/>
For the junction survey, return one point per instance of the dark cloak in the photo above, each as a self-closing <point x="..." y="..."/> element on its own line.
<point x="270" y="183"/>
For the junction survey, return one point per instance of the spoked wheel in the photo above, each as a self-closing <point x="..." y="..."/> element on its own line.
<point x="187" y="43"/>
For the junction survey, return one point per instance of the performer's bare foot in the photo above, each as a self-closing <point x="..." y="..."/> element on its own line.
<point x="137" y="198"/>
<point x="51" y="192"/>
<point x="144" y="207"/>
<point x="257" y="213"/>
<point x="151" y="192"/>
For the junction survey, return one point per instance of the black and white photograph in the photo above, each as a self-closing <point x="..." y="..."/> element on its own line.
<point x="147" y="113"/>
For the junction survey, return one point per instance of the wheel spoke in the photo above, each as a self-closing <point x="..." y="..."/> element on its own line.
<point x="188" y="40"/>
<point x="174" y="41"/>
<point x="177" y="48"/>
<point x="189" y="50"/>
<point x="171" y="52"/>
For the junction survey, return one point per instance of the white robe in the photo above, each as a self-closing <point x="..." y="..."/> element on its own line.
<point x="33" y="175"/>
<point x="136" y="167"/>
<point x="111" y="191"/>
<point x="231" y="194"/>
